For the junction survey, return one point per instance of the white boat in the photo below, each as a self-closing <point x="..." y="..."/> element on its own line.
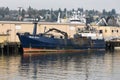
<point x="77" y="17"/>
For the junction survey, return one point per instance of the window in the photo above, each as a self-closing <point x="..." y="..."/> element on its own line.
<point x="117" y="31"/>
<point x="105" y="30"/>
<point x="112" y="31"/>
<point x="100" y="31"/>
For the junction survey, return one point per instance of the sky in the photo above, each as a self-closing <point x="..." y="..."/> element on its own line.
<point x="69" y="4"/>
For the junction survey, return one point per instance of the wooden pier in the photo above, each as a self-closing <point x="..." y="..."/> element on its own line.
<point x="112" y="44"/>
<point x="10" y="48"/>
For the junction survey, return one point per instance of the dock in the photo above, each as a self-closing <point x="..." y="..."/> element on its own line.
<point x="112" y="44"/>
<point x="7" y="47"/>
<point x="10" y="48"/>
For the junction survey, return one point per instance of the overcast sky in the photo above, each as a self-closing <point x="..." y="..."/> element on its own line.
<point x="69" y="4"/>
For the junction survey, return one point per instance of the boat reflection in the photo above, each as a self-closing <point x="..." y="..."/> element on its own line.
<point x="66" y="66"/>
<point x="87" y="65"/>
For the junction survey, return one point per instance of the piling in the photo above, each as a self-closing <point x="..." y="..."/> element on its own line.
<point x="10" y="48"/>
<point x="110" y="45"/>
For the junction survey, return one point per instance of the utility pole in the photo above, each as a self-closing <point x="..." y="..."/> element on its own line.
<point x="19" y="13"/>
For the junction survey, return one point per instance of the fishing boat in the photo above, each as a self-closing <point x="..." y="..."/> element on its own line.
<point x="77" y="18"/>
<point x="84" y="39"/>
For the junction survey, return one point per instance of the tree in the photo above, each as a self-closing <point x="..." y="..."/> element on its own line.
<point x="30" y="11"/>
<point x="80" y="9"/>
<point x="6" y="11"/>
<point x="113" y="11"/>
<point x="23" y="13"/>
<point x="104" y="12"/>
<point x="65" y="13"/>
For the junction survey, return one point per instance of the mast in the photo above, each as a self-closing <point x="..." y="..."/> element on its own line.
<point x="35" y="27"/>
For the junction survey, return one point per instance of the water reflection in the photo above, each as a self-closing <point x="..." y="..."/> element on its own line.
<point x="96" y="65"/>
<point x="67" y="66"/>
<point x="9" y="67"/>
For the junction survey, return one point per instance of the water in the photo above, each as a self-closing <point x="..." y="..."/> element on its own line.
<point x="97" y="65"/>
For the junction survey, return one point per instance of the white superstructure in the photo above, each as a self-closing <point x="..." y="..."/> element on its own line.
<point x="77" y="17"/>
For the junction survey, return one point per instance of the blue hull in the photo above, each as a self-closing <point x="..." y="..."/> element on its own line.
<point x="43" y="42"/>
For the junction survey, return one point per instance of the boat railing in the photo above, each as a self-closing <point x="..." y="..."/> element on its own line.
<point x="86" y="31"/>
<point x="52" y="36"/>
